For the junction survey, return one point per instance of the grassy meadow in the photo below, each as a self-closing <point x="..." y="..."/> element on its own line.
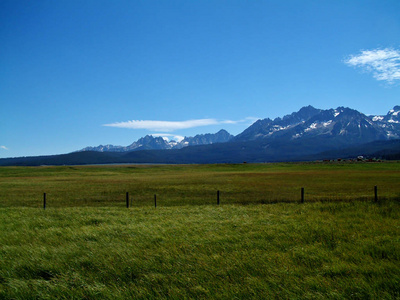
<point x="259" y="243"/>
<point x="196" y="184"/>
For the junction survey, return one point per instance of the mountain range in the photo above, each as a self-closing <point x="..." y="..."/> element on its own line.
<point x="308" y="134"/>
<point x="156" y="143"/>
<point x="340" y="126"/>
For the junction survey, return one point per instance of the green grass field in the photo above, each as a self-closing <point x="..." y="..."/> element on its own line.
<point x="196" y="184"/>
<point x="87" y="245"/>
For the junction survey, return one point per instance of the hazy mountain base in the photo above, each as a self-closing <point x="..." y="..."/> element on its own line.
<point x="253" y="151"/>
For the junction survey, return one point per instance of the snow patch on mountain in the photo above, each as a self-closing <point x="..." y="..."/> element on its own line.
<point x="377" y="118"/>
<point x="312" y="127"/>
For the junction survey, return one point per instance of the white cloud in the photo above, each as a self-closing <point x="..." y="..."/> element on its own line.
<point x="3" y="147"/>
<point x="383" y="63"/>
<point x="170" y="126"/>
<point x="168" y="137"/>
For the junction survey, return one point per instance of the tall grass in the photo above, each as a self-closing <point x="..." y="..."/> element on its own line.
<point x="346" y="250"/>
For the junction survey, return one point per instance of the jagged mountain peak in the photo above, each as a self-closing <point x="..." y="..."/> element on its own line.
<point x="149" y="138"/>
<point x="390" y="120"/>
<point x="347" y="114"/>
<point x="272" y="128"/>
<point x="222" y="131"/>
<point x="221" y="136"/>
<point x="303" y="114"/>
<point x="394" y="114"/>
<point x="396" y="110"/>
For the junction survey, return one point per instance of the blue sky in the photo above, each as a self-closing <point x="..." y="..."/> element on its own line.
<point x="83" y="73"/>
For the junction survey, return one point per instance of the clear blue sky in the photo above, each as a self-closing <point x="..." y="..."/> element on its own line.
<point x="84" y="73"/>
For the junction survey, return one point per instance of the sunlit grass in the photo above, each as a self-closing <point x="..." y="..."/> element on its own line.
<point x="315" y="250"/>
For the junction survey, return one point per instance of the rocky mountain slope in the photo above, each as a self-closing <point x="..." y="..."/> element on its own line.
<point x="341" y="125"/>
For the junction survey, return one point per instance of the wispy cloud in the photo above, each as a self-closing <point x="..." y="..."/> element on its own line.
<point x="248" y="120"/>
<point x="163" y="126"/>
<point x="3" y="147"/>
<point x="170" y="126"/>
<point x="383" y="63"/>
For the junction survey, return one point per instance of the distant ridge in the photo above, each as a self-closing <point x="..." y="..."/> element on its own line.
<point x="158" y="143"/>
<point x="308" y="134"/>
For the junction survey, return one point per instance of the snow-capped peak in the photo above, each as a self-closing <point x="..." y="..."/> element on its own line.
<point x="395" y="111"/>
<point x="336" y="113"/>
<point x="377" y="118"/>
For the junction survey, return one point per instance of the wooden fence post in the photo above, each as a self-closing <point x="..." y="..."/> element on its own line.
<point x="302" y="195"/>
<point x="127" y="199"/>
<point x="44" y="200"/>
<point x="376" y="193"/>
<point x="217" y="197"/>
